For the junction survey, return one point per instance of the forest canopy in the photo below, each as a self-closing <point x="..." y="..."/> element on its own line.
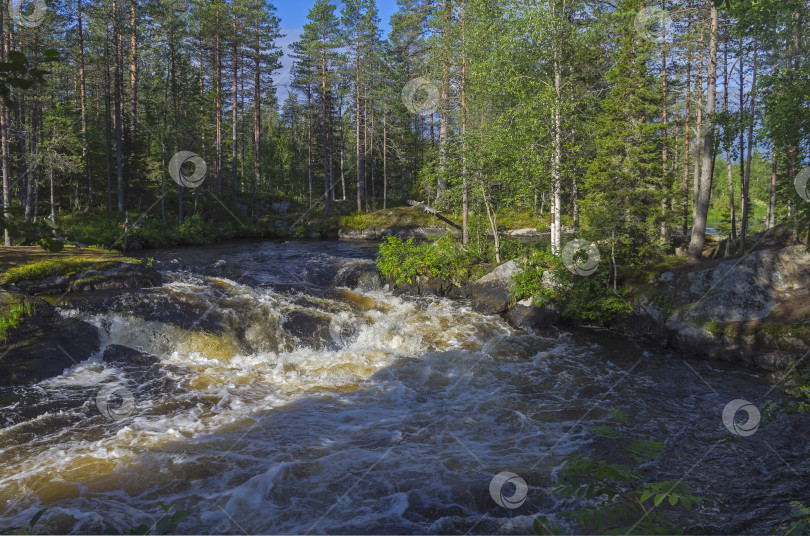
<point x="643" y="120"/>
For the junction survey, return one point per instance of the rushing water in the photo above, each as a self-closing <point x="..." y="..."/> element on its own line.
<point x="281" y="404"/>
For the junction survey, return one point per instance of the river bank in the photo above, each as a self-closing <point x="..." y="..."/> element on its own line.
<point x="267" y="378"/>
<point x="747" y="308"/>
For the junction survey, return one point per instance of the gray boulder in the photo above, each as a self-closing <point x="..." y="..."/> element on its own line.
<point x="526" y="315"/>
<point x="490" y="293"/>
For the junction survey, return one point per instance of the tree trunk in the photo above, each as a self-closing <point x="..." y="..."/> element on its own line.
<point x="5" y="119"/>
<point x="133" y="104"/>
<point x="342" y="151"/>
<point x="107" y="129"/>
<point x="83" y="102"/>
<point x="664" y="155"/>
<point x="747" y="182"/>
<point x="444" y="100"/>
<point x="556" y="179"/>
<point x="118" y="116"/>
<point x="705" y="190"/>
<point x="234" y="140"/>
<point x="732" y="208"/>
<point x="465" y="206"/>
<point x="309" y="141"/>
<point x="359" y="157"/>
<point x="698" y="131"/>
<point x="686" y="148"/>
<point x="325" y="134"/>
<point x="218" y="104"/>
<point x="257" y="111"/>
<point x="770" y="219"/>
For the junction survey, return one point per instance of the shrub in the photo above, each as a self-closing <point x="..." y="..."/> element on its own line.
<point x="625" y="499"/>
<point x="402" y="261"/>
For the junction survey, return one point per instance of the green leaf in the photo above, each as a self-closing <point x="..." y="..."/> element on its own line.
<point x="36" y="517"/>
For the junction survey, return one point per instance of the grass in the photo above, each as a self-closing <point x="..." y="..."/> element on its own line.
<point x="14" y="317"/>
<point x="33" y="264"/>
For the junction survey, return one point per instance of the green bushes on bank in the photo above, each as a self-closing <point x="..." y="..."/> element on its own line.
<point x="401" y="261"/>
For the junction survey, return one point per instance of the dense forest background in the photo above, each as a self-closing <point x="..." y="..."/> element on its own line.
<point x="644" y="120"/>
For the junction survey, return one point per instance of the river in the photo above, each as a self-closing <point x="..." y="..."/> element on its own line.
<point x="281" y="404"/>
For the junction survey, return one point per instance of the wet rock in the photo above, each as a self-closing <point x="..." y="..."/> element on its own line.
<point x="490" y="293"/>
<point x="185" y="310"/>
<point x="309" y="328"/>
<point x="362" y="276"/>
<point x="124" y="277"/>
<point x="115" y="353"/>
<point x="44" y="345"/>
<point x="526" y="315"/>
<point x="432" y="286"/>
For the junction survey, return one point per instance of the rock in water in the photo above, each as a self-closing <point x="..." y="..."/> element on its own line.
<point x="44" y="344"/>
<point x="526" y="315"/>
<point x="490" y="293"/>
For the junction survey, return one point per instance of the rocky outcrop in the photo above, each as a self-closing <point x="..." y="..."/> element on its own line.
<point x="127" y="276"/>
<point x="378" y="233"/>
<point x="43" y="345"/>
<point x="752" y="309"/>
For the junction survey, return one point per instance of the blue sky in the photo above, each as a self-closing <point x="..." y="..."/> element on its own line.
<point x="293" y="15"/>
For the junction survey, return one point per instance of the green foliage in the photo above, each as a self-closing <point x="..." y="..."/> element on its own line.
<point x="14" y="317"/>
<point x="22" y="232"/>
<point x="25" y="530"/>
<point x="797" y="386"/>
<point x="580" y="299"/>
<point x="799" y="522"/>
<point x="18" y="73"/>
<point x="401" y="261"/>
<point x="624" y="499"/>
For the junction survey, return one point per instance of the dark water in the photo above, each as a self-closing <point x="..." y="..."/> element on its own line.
<point x="279" y="405"/>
